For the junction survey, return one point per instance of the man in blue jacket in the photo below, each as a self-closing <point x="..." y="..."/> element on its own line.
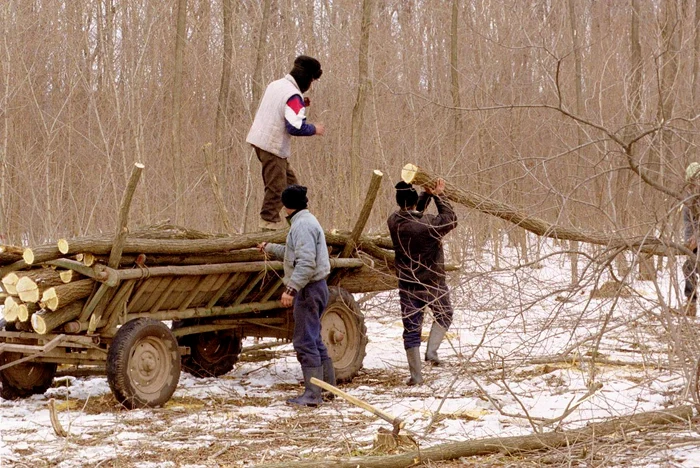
<point x="306" y="267"/>
<point x="419" y="263"/>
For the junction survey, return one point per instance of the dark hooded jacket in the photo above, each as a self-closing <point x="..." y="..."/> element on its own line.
<point x="417" y="239"/>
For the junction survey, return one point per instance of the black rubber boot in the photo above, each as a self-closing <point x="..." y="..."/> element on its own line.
<point x="437" y="333"/>
<point x="329" y="378"/>
<point x="312" y="393"/>
<point x="414" y="366"/>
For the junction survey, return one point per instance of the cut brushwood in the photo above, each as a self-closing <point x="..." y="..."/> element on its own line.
<point x="60" y="296"/>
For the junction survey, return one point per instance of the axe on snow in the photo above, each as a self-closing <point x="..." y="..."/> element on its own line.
<point x="397" y="423"/>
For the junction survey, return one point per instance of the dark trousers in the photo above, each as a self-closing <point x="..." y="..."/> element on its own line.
<point x="309" y="304"/>
<point x="277" y="175"/>
<point x="690" y="272"/>
<point x="413" y="302"/>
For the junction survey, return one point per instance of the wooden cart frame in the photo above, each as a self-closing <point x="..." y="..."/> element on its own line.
<point x="144" y="324"/>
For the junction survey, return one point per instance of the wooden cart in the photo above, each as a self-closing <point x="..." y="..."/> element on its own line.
<point x="153" y="306"/>
<point x="211" y="309"/>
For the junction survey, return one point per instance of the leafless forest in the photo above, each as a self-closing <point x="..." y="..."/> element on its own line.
<point x="581" y="113"/>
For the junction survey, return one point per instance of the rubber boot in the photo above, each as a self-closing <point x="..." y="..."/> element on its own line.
<point x="414" y="366"/>
<point x="312" y="393"/>
<point x="437" y="333"/>
<point x="329" y="378"/>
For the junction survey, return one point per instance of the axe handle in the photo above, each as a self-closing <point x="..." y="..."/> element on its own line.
<point x="357" y="402"/>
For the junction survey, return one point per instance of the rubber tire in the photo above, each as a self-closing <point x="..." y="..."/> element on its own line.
<point x="143" y="351"/>
<point x="347" y="347"/>
<point x="25" y="379"/>
<point x="211" y="354"/>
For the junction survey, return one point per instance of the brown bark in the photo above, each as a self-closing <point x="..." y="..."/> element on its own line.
<point x="45" y="320"/>
<point x="507" y="445"/>
<point x="61" y="296"/>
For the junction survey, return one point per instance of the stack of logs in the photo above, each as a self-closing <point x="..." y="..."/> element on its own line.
<point x="42" y="295"/>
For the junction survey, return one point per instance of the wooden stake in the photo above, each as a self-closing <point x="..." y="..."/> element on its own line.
<point x="122" y="229"/>
<point x="372" y="191"/>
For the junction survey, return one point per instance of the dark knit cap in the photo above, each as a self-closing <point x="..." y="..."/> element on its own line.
<point x="406" y="195"/>
<point x="305" y="70"/>
<point x="294" y="197"/>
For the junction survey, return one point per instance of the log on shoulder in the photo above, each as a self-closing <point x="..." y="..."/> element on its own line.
<point x="413" y="174"/>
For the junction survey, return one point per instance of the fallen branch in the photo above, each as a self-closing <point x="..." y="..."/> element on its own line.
<point x="506" y="445"/>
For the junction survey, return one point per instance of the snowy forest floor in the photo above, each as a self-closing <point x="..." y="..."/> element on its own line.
<point x="523" y="347"/>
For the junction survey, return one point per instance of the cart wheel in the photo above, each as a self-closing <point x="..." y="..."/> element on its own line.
<point x="211" y="354"/>
<point x="143" y="364"/>
<point x="25" y="379"/>
<point x="344" y="333"/>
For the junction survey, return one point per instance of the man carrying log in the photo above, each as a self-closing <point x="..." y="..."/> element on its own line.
<point x="691" y="230"/>
<point x="306" y="266"/>
<point x="281" y="115"/>
<point x="417" y="239"/>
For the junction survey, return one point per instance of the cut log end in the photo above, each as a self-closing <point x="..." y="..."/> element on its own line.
<point x="28" y="256"/>
<point x="9" y="312"/>
<point x="63" y="246"/>
<point x="378" y="173"/>
<point x="408" y="173"/>
<point x="9" y="282"/>
<point x="49" y="300"/>
<point x="27" y="290"/>
<point x="39" y="324"/>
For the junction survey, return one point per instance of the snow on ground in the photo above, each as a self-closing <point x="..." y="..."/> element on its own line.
<point x="504" y="373"/>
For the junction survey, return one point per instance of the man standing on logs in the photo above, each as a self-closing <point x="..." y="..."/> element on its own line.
<point x="419" y="261"/>
<point x="281" y="115"/>
<point x="691" y="230"/>
<point x="306" y="267"/>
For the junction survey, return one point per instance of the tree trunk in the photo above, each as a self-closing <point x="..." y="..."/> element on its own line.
<point x="45" y="320"/>
<point x="176" y="112"/>
<point x="257" y="95"/>
<point x="359" y="107"/>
